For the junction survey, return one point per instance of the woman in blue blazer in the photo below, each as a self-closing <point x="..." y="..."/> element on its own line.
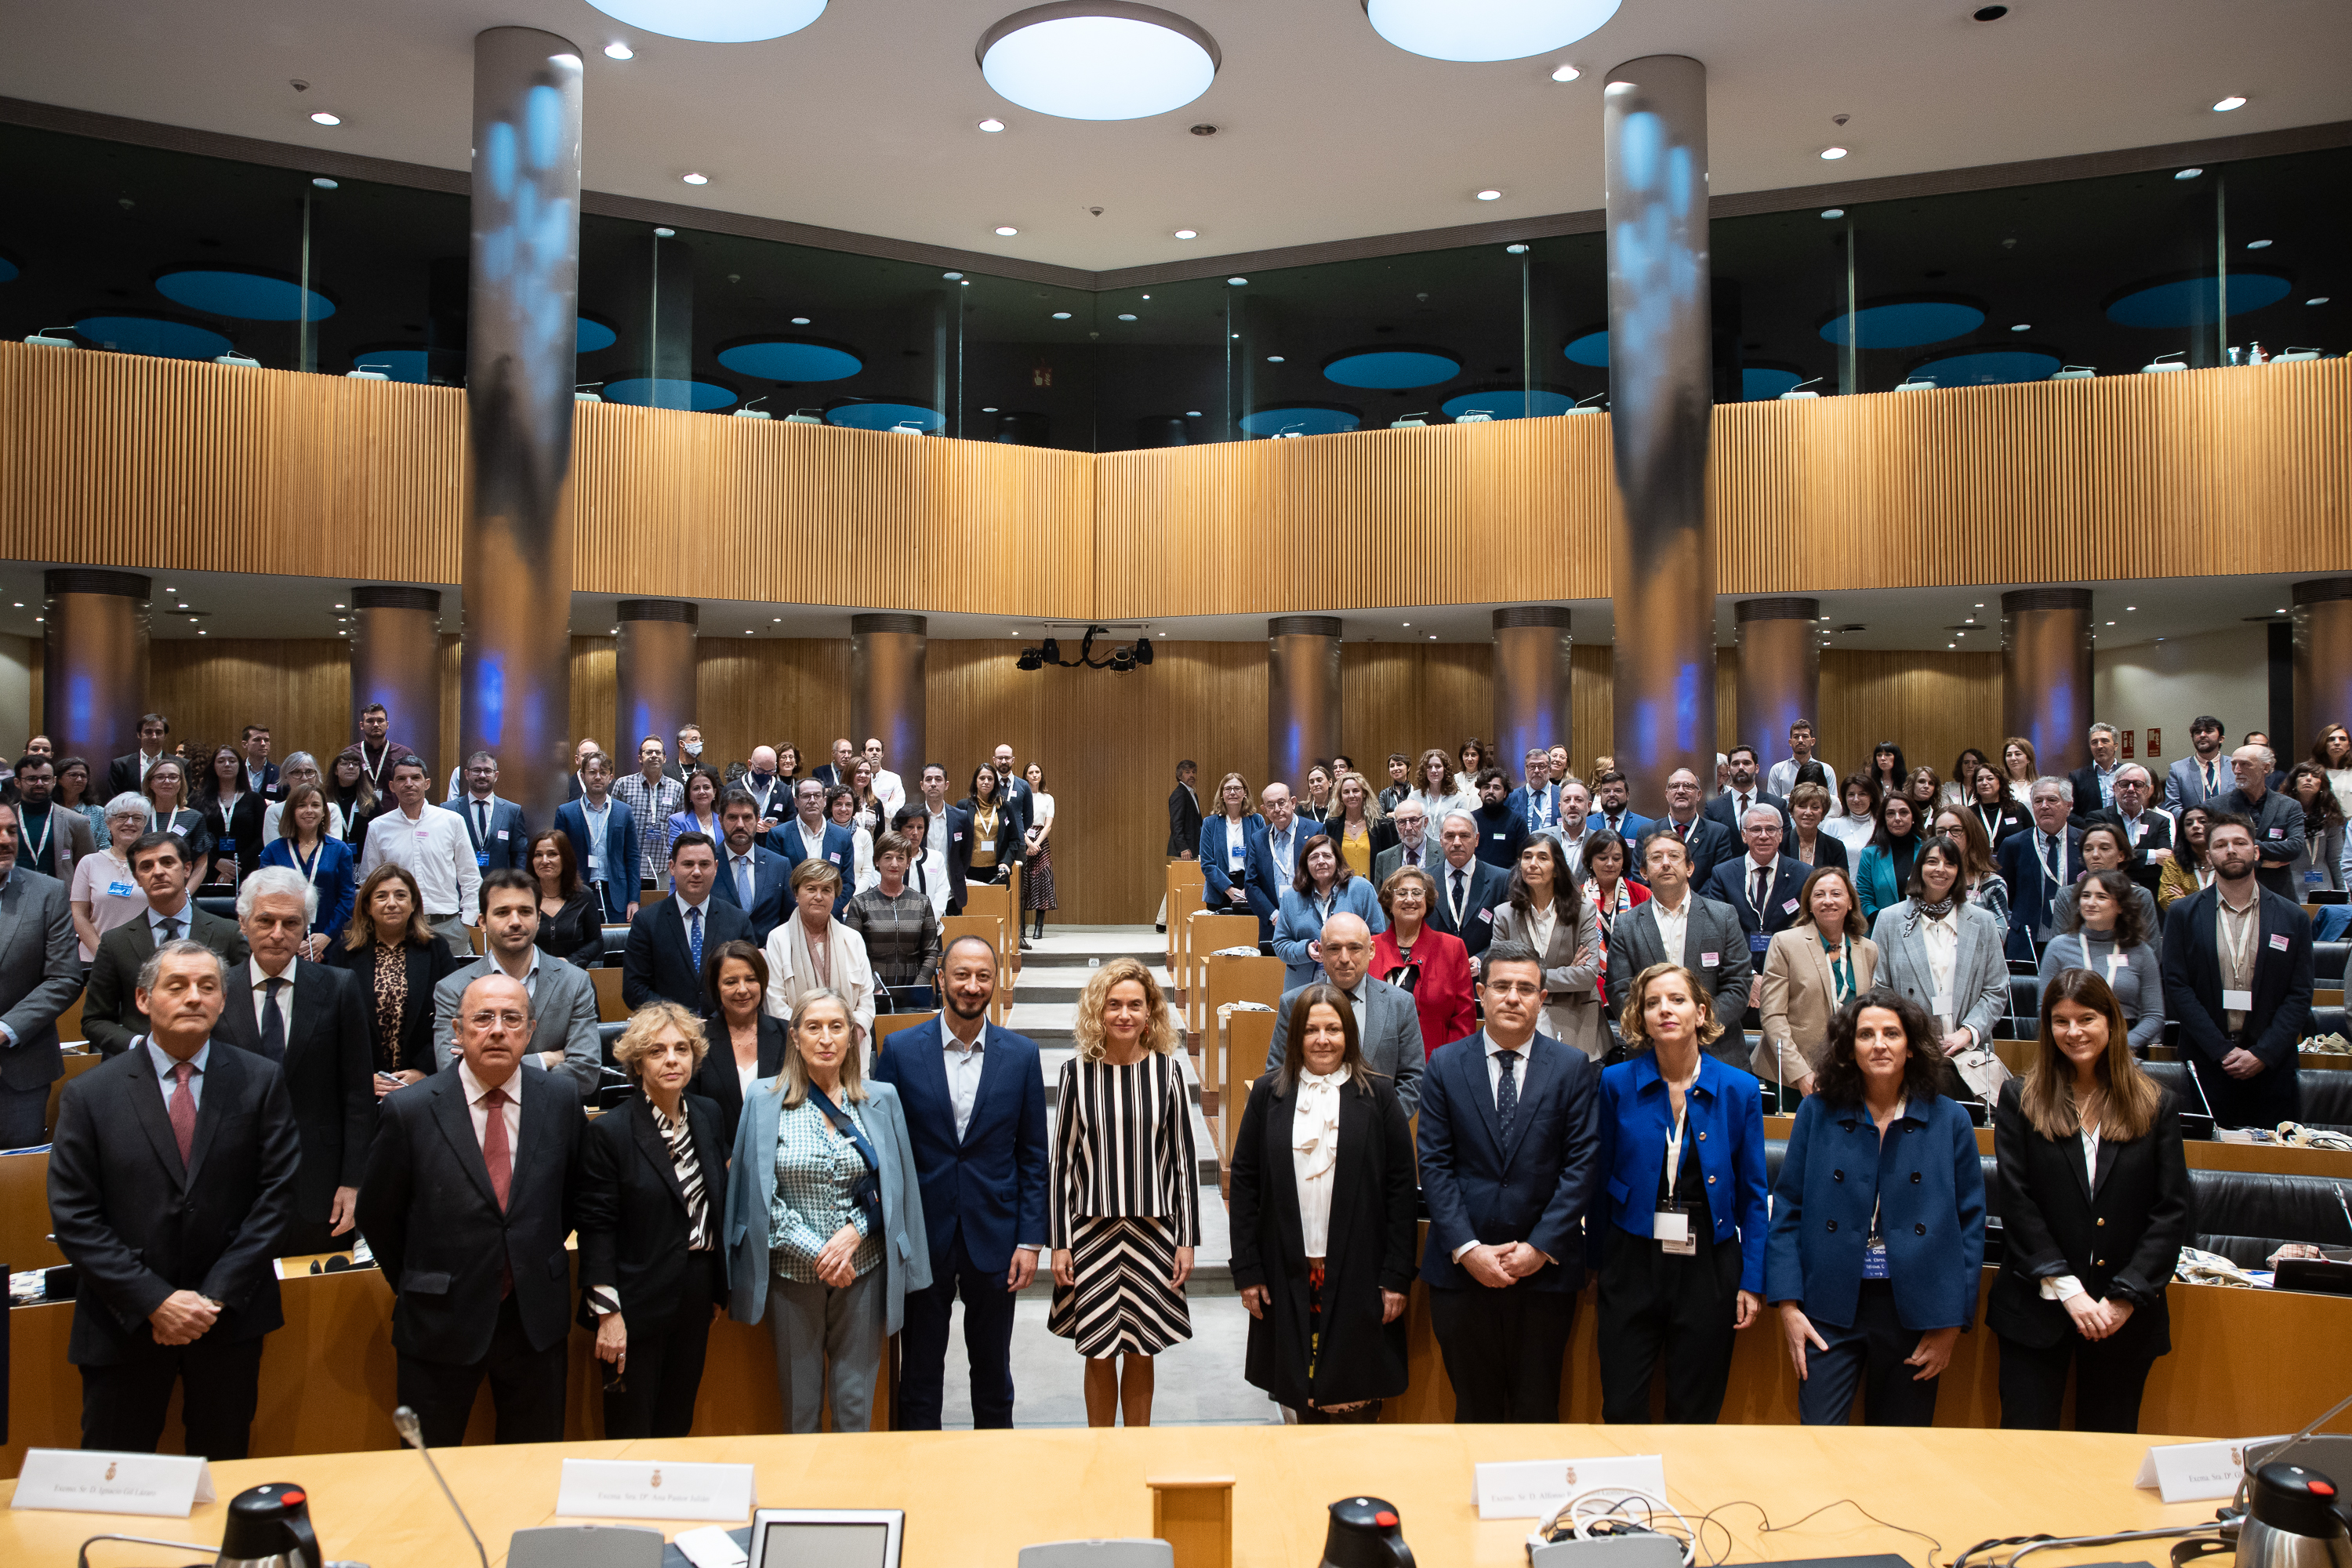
<point x="1884" y="867"/>
<point x="1681" y="1150"/>
<point x="1249" y="867"/>
<point x="326" y="862"/>
<point x="1877" y="1240"/>
<point x="1324" y="886"/>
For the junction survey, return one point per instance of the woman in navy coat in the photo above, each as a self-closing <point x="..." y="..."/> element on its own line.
<point x="1234" y="858"/>
<point x="1877" y="1241"/>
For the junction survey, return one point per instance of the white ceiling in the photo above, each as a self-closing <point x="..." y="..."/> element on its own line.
<point x="864" y="121"/>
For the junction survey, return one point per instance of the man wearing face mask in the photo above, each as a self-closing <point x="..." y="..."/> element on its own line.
<point x="1387" y="1022"/>
<point x="2238" y="975"/>
<point x="771" y="798"/>
<point x="689" y="753"/>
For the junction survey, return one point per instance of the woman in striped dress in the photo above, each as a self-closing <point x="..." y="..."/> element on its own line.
<point x="1126" y="1210"/>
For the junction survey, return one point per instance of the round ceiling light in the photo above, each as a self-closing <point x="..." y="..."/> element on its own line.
<point x="1098" y="59"/>
<point x="1486" y="29"/>
<point x="715" y="21"/>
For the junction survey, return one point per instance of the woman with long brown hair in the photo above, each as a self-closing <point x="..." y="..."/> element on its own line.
<point x="397" y="961"/>
<point x="2094" y="1204"/>
<point x="2185" y="873"/>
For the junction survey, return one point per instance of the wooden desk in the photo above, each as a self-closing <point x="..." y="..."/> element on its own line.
<point x="610" y="1009"/>
<point x="2273" y="1158"/>
<point x="974" y="1499"/>
<point x="25" y="1213"/>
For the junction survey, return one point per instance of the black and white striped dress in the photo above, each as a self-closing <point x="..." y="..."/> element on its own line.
<point x="1126" y="1195"/>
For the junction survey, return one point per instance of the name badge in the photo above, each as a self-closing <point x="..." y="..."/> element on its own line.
<point x="1758" y="941"/>
<point x="1709" y="960"/>
<point x="120" y="890"/>
<point x="2237" y="1000"/>
<point x="1498" y="837"/>
<point x="2276" y="833"/>
<point x="482" y="857"/>
<point x="835" y="857"/>
<point x="1790" y="908"/>
<point x="959" y="839"/>
<point x="1671" y="1227"/>
<point x="654" y="1488"/>
<point x="1943" y="1005"/>
<point x="1873" y="1262"/>
<point x="1486" y="915"/>
<point x="2123" y="960"/>
<point x="91" y="1480"/>
<point x="502" y="833"/>
<point x="2279" y="941"/>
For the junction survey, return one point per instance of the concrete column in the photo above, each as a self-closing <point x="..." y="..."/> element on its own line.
<point x="1653" y="119"/>
<point x="2045" y="674"/>
<point x="94" y="663"/>
<point x="889" y="655"/>
<point x="654" y="672"/>
<point x="2323" y="662"/>
<point x="397" y="660"/>
<point x="1302" y="695"/>
<point x="1780" y="673"/>
<point x="519" y="350"/>
<point x="1531" y="682"/>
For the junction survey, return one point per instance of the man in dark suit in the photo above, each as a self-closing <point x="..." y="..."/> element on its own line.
<point x="494" y="826"/>
<point x="51" y="838"/>
<point x="751" y="877"/>
<point x="2148" y="830"/>
<point x="1730" y="808"/>
<point x="666" y="943"/>
<point x="2238" y="975"/>
<point x="260" y="773"/>
<point x="171" y="1178"/>
<point x="1537" y="802"/>
<point x="562" y="998"/>
<point x="1708" y="840"/>
<point x="312" y="1022"/>
<point x="975" y="1103"/>
<point x="1711" y="946"/>
<point x="2093" y="787"/>
<point x="2274" y="818"/>
<point x="470" y="1190"/>
<point x="1019" y="798"/>
<point x="949" y="826"/>
<point x="1611" y="792"/>
<point x="2039" y="864"/>
<point x="838" y="771"/>
<point x="125" y="774"/>
<point x="1469" y="890"/>
<point x="2203" y="775"/>
<point x="811" y="834"/>
<point x="1184" y="813"/>
<point x="1509" y="1142"/>
<point x="159" y="864"/>
<point x="40" y="975"/>
<point x="1387" y="1022"/>
<point x="1417" y="844"/>
<point x="603" y="833"/>
<point x="1761" y="888"/>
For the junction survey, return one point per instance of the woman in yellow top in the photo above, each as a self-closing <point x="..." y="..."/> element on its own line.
<point x="992" y="848"/>
<point x="1356" y="824"/>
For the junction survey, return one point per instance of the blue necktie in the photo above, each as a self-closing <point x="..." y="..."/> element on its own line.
<point x="693" y="937"/>
<point x="1506" y="1094"/>
<point x="743" y="881"/>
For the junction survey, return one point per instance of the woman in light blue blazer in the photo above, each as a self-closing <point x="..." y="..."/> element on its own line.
<point x="1326" y="885"/>
<point x="825" y="1218"/>
<point x="1233" y="856"/>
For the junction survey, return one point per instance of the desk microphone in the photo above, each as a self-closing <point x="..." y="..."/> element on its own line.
<point x="411" y="1432"/>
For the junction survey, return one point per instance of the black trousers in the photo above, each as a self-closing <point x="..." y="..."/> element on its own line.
<point x="1867" y="1355"/>
<point x="1657" y="1307"/>
<point x="122" y="1405"/>
<point x="663" y="1372"/>
<point x="526" y="1387"/>
<point x="1504" y="1350"/>
<point x="302" y="1236"/>
<point x="2266" y="1099"/>
<point x="2108" y="1384"/>
<point x="987" y="1343"/>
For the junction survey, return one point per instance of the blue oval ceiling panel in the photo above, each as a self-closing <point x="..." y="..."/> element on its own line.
<point x="1906" y="323"/>
<point x="592" y="334"/>
<point x="1306" y="419"/>
<point x="1761" y="384"/>
<point x="2190" y="301"/>
<point x="1391" y="369"/>
<point x="791" y="359"/>
<point x="1511" y="404"/>
<point x="1591" y="349"/>
<point x="668" y="392"/>
<point x="157" y="335"/>
<point x="1990" y="367"/>
<point x="247" y="296"/>
<point x="397" y="364"/>
<point x="885" y="415"/>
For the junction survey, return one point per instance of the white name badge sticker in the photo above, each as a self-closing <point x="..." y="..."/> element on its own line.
<point x="2237" y="1000"/>
<point x="1709" y="960"/>
<point x="654" y="1488"/>
<point x="80" y="1480"/>
<point x="1532" y="1489"/>
<point x="2195" y="1472"/>
<point x="2279" y="941"/>
<point x="1790" y="908"/>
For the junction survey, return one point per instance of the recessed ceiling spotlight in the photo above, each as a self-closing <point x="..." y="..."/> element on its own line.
<point x="664" y="234"/>
<point x="325" y="183"/>
<point x="1274" y="359"/>
<point x="1832" y="153"/>
<point x="1834" y="212"/>
<point x="323" y="117"/>
<point x="1565" y="73"/>
<point x="695" y="179"/>
<point x="2229" y="103"/>
<point x="1448" y="30"/>
<point x="1514" y="250"/>
<point x="2023" y="327"/>
<point x="1126" y="316"/>
<point x="1490" y="195"/>
<point x="1188" y="234"/>
<point x="2258" y="245"/>
<point x="1237" y="282"/>
<point x="715" y="21"/>
<point x="2188" y="174"/>
<point x="2131" y="606"/>
<point x="1006" y="230"/>
<point x="991" y="126"/>
<point x="616" y="50"/>
<point x="2317" y="300"/>
<point x="990" y="409"/>
<point x="1061" y="315"/>
<point x="1189" y="413"/>
<point x="1112" y="61"/>
<point x="799" y="320"/>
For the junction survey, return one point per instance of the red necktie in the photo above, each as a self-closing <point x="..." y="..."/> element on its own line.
<point x="496" y="1153"/>
<point x="1682" y="831"/>
<point x="183" y="1111"/>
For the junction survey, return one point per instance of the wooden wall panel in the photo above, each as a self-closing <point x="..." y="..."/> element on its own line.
<point x="1932" y="704"/>
<point x="767" y="690"/>
<point x="212" y="688"/>
<point x="1408" y="696"/>
<point x="595" y="687"/>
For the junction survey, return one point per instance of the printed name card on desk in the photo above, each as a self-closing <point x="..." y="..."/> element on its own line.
<point x="654" y="1488"/>
<point x="82" y="1480"/>
<point x="2197" y="1472"/>
<point x="1532" y="1489"/>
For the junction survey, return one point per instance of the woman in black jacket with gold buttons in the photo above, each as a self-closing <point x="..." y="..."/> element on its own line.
<point x="2094" y="1204"/>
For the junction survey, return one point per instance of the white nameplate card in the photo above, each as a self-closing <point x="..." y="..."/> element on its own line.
<point x="2195" y="1472"/>
<point x="652" y="1489"/>
<point x="1533" y="1488"/>
<point x="709" y="1547"/>
<point x="85" y="1480"/>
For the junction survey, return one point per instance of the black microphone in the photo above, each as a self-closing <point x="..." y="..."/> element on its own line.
<point x="411" y="1432"/>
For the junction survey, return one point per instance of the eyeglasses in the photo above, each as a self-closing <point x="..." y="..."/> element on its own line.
<point x="511" y="1020"/>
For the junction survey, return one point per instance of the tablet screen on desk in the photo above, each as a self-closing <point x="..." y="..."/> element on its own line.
<point x="827" y="1538"/>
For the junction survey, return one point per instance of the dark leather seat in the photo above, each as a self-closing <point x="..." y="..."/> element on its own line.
<point x="2327" y="960"/>
<point x="222" y="905"/>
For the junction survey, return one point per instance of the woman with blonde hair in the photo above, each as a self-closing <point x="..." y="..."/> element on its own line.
<point x="1236" y="876"/>
<point x="1125" y="1193"/>
<point x="651" y="1270"/>
<point x="1823" y="960"/>
<point x="1356" y="824"/>
<point x="826" y="1213"/>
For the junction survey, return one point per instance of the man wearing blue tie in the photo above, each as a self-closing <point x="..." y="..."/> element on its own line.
<point x="667" y="943"/>
<point x="1285" y="834"/>
<point x="1537" y="802"/>
<point x="494" y="826"/>
<point x="751" y="877"/>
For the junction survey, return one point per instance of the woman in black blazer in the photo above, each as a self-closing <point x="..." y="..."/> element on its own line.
<point x="396" y="960"/>
<point x="1995" y="809"/>
<point x="1808" y="808"/>
<point x="1323" y="1218"/>
<point x="652" y="1174"/>
<point x="571" y="914"/>
<point x="987" y="796"/>
<point x="746" y="1043"/>
<point x="2085" y="1257"/>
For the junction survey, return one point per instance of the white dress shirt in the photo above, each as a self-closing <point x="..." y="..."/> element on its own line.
<point x="812" y="844"/>
<point x="1942" y="939"/>
<point x="1783" y="778"/>
<point x="2064" y="1287"/>
<point x="891" y="791"/>
<point x="1671" y="926"/>
<point x="599" y="820"/>
<point x="285" y="1004"/>
<point x="935" y="860"/>
<point x="964" y="1064"/>
<point x="438" y="851"/>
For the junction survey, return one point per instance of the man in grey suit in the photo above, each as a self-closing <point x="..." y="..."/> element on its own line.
<point x="1387" y="1024"/>
<point x="1415" y="844"/>
<point x="159" y="864"/>
<point x="40" y="975"/>
<point x="562" y="998"/>
<point x="2203" y="776"/>
<point x="1678" y="926"/>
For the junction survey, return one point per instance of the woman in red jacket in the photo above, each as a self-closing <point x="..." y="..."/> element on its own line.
<point x="1433" y="965"/>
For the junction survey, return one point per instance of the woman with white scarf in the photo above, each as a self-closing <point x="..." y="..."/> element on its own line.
<point x="810" y="950"/>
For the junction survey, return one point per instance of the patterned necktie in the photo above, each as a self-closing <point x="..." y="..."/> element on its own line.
<point x="693" y="937"/>
<point x="743" y="880"/>
<point x="171" y="930"/>
<point x="183" y="1111"/>
<point x="273" y="1022"/>
<point x="1506" y="1094"/>
<point x="2209" y="778"/>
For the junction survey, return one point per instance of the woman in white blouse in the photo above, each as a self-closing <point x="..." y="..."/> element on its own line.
<point x="810" y="950"/>
<point x="841" y="805"/>
<point x="1546" y="912"/>
<point x="1326" y="1336"/>
<point x="1854" y="826"/>
<point x="1434" y="788"/>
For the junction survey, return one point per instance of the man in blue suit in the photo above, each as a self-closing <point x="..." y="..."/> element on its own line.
<point x="667" y="947"/>
<point x="808" y="833"/>
<point x="1469" y="890"/>
<point x="2038" y="866"/>
<point x="975" y="1101"/>
<point x="1509" y="1142"/>
<point x="1611" y="792"/>
<point x="751" y="877"/>
<point x="603" y="833"/>
<point x="1536" y="803"/>
<point x="495" y="824"/>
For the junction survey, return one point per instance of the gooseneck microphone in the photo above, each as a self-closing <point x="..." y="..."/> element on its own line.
<point x="411" y="1432"/>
